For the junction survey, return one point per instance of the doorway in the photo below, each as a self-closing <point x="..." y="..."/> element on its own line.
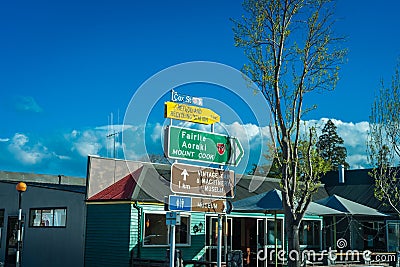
<point x="255" y="237"/>
<point x="212" y="237"/>
<point x="12" y="238"/>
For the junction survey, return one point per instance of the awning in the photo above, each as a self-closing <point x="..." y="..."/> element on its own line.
<point x="271" y="202"/>
<point x="348" y="207"/>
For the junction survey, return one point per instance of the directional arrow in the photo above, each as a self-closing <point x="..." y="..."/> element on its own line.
<point x="237" y="151"/>
<point x="184" y="174"/>
<point x="202" y="181"/>
<point x="190" y="113"/>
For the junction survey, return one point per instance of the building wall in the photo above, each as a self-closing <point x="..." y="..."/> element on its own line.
<point x="107" y="234"/>
<point x="113" y="234"/>
<point x="46" y="246"/>
<point x="197" y="240"/>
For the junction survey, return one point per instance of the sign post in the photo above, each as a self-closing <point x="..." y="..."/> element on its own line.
<point x="195" y="145"/>
<point x="179" y="111"/>
<point x="172" y="218"/>
<point x="186" y="99"/>
<point x="219" y="241"/>
<point x="172" y="245"/>
<point x="197" y="204"/>
<point x="202" y="181"/>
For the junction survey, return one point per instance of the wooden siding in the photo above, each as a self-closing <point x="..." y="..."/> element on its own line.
<point x="197" y="240"/>
<point x="107" y="235"/>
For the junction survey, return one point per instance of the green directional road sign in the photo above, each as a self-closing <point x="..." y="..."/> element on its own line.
<point x="195" y="145"/>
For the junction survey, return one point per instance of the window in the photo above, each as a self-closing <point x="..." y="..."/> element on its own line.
<point x="48" y="217"/>
<point x="393" y="235"/>
<point x="309" y="232"/>
<point x="156" y="231"/>
<point x="271" y="232"/>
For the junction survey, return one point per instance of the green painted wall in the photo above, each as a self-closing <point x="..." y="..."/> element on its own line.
<point x="197" y="240"/>
<point x="114" y="232"/>
<point x="107" y="235"/>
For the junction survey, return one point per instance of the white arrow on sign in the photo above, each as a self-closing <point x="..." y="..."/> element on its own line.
<point x="184" y="174"/>
<point x="237" y="152"/>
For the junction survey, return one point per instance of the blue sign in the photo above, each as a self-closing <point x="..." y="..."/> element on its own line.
<point x="186" y="99"/>
<point x="182" y="203"/>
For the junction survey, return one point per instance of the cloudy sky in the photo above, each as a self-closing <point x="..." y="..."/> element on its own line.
<point x="66" y="66"/>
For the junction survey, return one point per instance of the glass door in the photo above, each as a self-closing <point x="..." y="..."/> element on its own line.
<point x="261" y="245"/>
<point x="212" y="237"/>
<point x="274" y="242"/>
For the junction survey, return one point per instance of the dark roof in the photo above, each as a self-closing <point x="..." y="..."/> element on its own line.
<point x="351" y="177"/>
<point x="358" y="186"/>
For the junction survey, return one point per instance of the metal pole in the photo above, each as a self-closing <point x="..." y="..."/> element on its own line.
<point x="334" y="232"/>
<point x="219" y="241"/>
<point x="226" y="238"/>
<point x="276" y="239"/>
<point x="265" y="242"/>
<point x="18" y="254"/>
<point x="172" y="246"/>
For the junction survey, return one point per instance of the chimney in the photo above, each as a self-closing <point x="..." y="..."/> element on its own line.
<point x="341" y="173"/>
<point x="59" y="178"/>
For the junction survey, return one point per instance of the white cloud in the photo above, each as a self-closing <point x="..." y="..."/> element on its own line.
<point x="157" y="132"/>
<point x="86" y="142"/>
<point x="71" y="149"/>
<point x="24" y="153"/>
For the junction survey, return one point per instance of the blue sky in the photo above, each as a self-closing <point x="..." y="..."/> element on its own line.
<point x="65" y="66"/>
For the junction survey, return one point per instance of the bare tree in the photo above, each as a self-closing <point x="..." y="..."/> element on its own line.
<point x="384" y="143"/>
<point x="292" y="51"/>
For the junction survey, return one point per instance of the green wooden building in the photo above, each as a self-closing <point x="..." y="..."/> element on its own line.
<point x="126" y="220"/>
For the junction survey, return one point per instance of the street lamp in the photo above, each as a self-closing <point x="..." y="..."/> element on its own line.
<point x="21" y="187"/>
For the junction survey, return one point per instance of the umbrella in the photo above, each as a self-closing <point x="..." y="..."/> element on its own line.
<point x="270" y="201"/>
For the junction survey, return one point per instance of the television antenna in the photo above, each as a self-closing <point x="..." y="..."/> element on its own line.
<point x="113" y="134"/>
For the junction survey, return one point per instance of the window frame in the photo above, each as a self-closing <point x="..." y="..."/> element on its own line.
<point x="41" y="209"/>
<point x="311" y="246"/>
<point x="183" y="214"/>
<point x="396" y="225"/>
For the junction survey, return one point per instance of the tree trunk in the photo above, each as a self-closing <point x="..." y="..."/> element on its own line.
<point x="293" y="246"/>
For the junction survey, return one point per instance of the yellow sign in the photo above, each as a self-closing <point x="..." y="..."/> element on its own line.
<point x="185" y="112"/>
